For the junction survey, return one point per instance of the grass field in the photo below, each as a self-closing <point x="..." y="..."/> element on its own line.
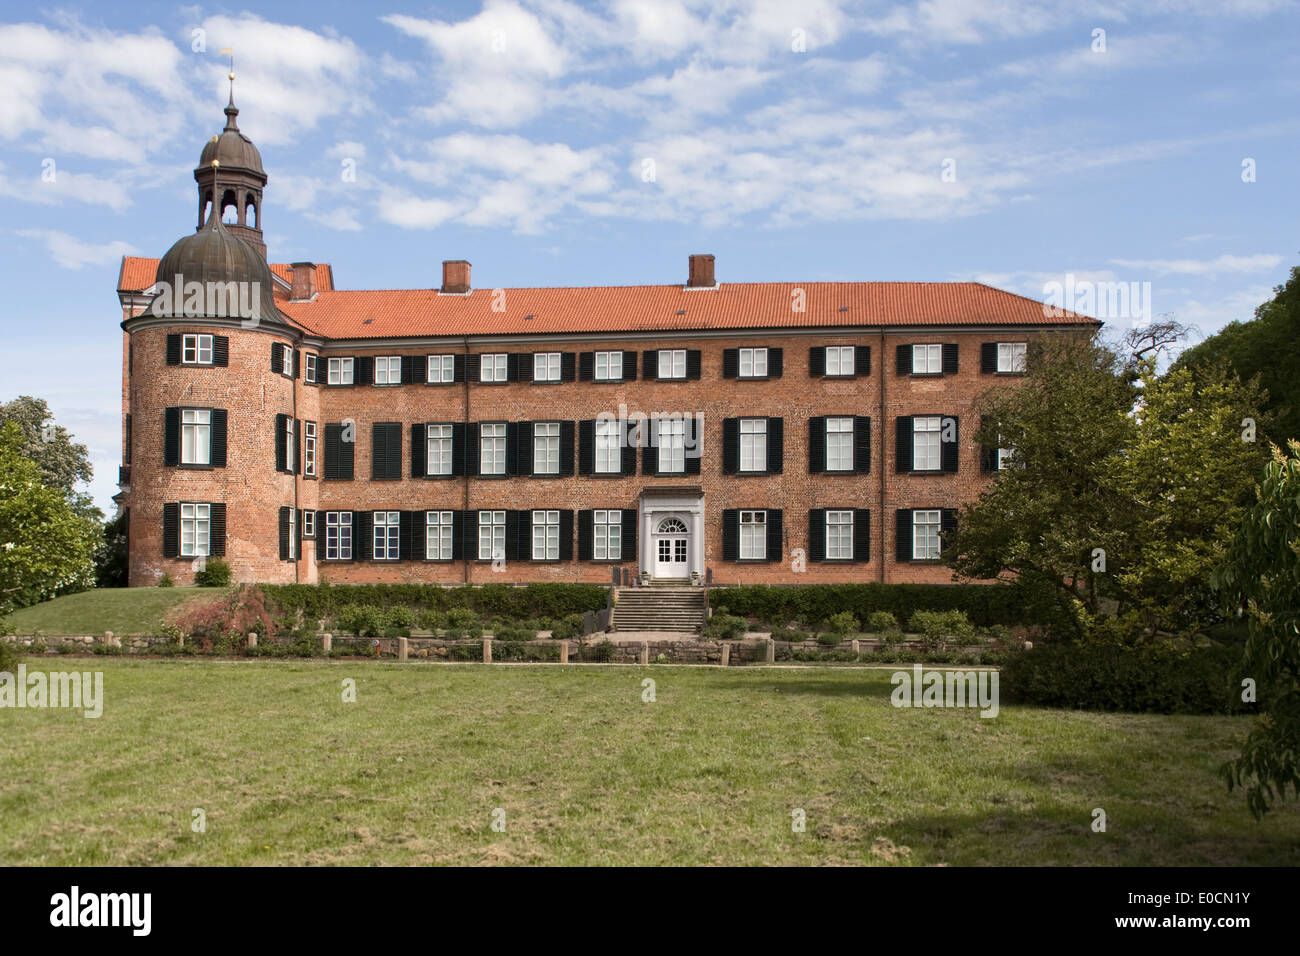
<point x="588" y="773"/>
<point x="120" y="610"/>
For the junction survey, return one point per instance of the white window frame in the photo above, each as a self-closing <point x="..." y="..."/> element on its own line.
<point x="388" y="370"/>
<point x="338" y="536"/>
<point x="753" y="444"/>
<point x="198" y="516"/>
<point x="440" y="369"/>
<point x="491" y="535"/>
<point x="927" y="444"/>
<point x="1011" y="357"/>
<point x="439" y="534"/>
<point x="308" y="523"/>
<point x="674" y="430"/>
<point x="546" y="536"/>
<point x="288" y="445"/>
<point x="840" y="361"/>
<point x="839" y="443"/>
<point x="753" y="363"/>
<point x="197" y="345"/>
<point x="607" y="535"/>
<point x="309" y="360"/>
<point x="546" y="366"/>
<point x="927" y="524"/>
<point x="293" y="534"/>
<point x="753" y="536"/>
<point x="670" y="360"/>
<point x="613" y="366"/>
<point x="309" y="449"/>
<point x="1006" y="457"/>
<point x="927" y="359"/>
<point x="493" y="367"/>
<point x="609" y="446"/>
<point x="340" y="371"/>
<point x="443" y="435"/>
<point x="287" y="363"/>
<point x="196" y="427"/>
<point x="492" y="447"/>
<point x="386" y="532"/>
<point x="546" y="448"/>
<point x="839" y="535"/>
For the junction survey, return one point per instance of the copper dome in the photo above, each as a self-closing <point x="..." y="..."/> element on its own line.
<point x="214" y="257"/>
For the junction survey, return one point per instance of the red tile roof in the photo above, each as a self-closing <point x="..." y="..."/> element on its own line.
<point x="393" y="313"/>
<point x="139" y="273"/>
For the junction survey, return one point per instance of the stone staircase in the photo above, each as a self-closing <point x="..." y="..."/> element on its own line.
<point x="659" y="607"/>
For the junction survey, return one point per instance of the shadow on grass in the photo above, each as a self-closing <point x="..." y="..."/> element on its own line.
<point x="860" y="684"/>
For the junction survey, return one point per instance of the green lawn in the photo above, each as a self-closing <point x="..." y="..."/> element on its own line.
<point x="120" y="610"/>
<point x="587" y="773"/>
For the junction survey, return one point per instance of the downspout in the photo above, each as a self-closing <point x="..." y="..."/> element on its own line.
<point x="465" y="468"/>
<point x="297" y="468"/>
<point x="884" y="426"/>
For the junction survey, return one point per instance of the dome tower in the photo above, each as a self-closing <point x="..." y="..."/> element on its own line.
<point x="230" y="174"/>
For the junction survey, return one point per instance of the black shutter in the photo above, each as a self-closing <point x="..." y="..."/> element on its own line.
<point x="284" y="534"/>
<point x="862" y="360"/>
<point x="512" y="535"/>
<point x="459" y="448"/>
<point x="586" y="534"/>
<point x="903" y="360"/>
<point x="627" y="546"/>
<point x="519" y="448"/>
<point x="988" y="357"/>
<point x="298" y="550"/>
<point x="386" y="450"/>
<point x="363" y="535"/>
<point x="948" y="449"/>
<point x="297" y="364"/>
<point x="473" y="368"/>
<point x="903" y="445"/>
<point x="775" y="445"/>
<point x="861" y="444"/>
<point x="474" y="448"/>
<point x="817" y="361"/>
<point x="173" y="349"/>
<point x="817" y="534"/>
<point x="627" y="466"/>
<point x="950" y="353"/>
<point x="651" y="370"/>
<point x="947" y="527"/>
<point x="586" y="366"/>
<point x="650" y="457"/>
<point x="587" y="446"/>
<point x="730" y="363"/>
<point x="775" y="363"/>
<point x="775" y="537"/>
<point x="406" y="535"/>
<point x="988" y="454"/>
<point x="861" y="534"/>
<point x="903" y="534"/>
<point x="415" y="368"/>
<point x="566" y="534"/>
<point x="364" y="370"/>
<point x="419" y="451"/>
<point x="512" y="368"/>
<point x="730" y="534"/>
<point x="459" y="524"/>
<point x="694" y="451"/>
<point x="332" y="451"/>
<point x="172" y="436"/>
<point x="297" y="446"/>
<point x="220" y="350"/>
<point x="730" y="446"/>
<point x="566" y="447"/>
<point x="629" y="366"/>
<point x="567" y="362"/>
<point x="217" y="528"/>
<point x="277" y="358"/>
<point x="171" y="530"/>
<point x="218" y="456"/>
<point x="281" y="442"/>
<point x="817" y="444"/>
<point x="458" y="363"/>
<point x="525" y="365"/>
<point x="693" y="363"/>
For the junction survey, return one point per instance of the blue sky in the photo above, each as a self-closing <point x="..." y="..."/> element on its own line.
<point x="795" y="141"/>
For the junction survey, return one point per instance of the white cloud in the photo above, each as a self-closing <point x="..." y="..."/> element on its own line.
<point x="72" y="253"/>
<point x="1261" y="262"/>
<point x="409" y="211"/>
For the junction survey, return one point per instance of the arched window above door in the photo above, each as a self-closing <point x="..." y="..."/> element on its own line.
<point x="672" y="526"/>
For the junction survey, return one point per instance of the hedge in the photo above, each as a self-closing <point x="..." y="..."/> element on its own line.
<point x="489" y="600"/>
<point x="984" y="604"/>
<point x="1199" y="680"/>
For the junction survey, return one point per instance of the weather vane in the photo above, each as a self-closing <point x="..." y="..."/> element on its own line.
<point x="230" y="52"/>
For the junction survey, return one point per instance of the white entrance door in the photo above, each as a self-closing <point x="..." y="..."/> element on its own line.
<point x="672" y="544"/>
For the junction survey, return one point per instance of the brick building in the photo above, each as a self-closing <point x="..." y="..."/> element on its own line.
<point x="777" y="432"/>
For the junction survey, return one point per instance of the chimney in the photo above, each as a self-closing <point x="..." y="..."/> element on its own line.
<point x="303" y="277"/>
<point x="455" y="276"/>
<point x="701" y="272"/>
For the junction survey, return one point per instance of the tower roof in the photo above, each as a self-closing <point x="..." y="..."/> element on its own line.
<point x="231" y="148"/>
<point x="214" y="257"/>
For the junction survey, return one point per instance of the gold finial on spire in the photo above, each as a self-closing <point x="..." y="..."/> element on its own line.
<point x="230" y="52"/>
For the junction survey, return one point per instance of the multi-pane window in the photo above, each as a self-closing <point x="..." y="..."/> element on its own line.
<point x="438" y="457"/>
<point x="839" y="535"/>
<point x="1006" y="456"/>
<point x="839" y="360"/>
<point x="607" y="526"/>
<point x="672" y="445"/>
<point x="492" y="368"/>
<point x="608" y="447"/>
<point x="293" y="534"/>
<point x="1011" y="356"/>
<point x="609" y="366"/>
<point x="288" y="444"/>
<point x="927" y="359"/>
<point x="309" y="448"/>
<point x="839" y="444"/>
<point x="546" y="367"/>
<point x="438" y="535"/>
<point x="925" y="443"/>
<point x="287" y="352"/>
<point x="672" y="363"/>
<point x="492" y="449"/>
<point x="196" y="349"/>
<point x="546" y="535"/>
<point x="753" y="363"/>
<point x="309" y="524"/>
<point x="388" y="370"/>
<point x="196" y="436"/>
<point x="309" y="367"/>
<point x="546" y="448"/>
<point x="338" y="535"/>
<point x="753" y="534"/>
<point x="491" y="535"/>
<point x="340" y="371"/>
<point x="194" y="529"/>
<point x="442" y="368"/>
<point x="753" y="444"/>
<point x="388" y="535"/>
<point x="925" y="535"/>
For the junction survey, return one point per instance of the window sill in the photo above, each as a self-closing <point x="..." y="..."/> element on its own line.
<point x="925" y="374"/>
<point x="194" y="467"/>
<point x="440" y="477"/>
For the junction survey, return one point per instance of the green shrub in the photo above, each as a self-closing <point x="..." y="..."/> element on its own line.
<point x="10" y="655"/>
<point x="882" y="623"/>
<point x="166" y="581"/>
<point x="430" y="620"/>
<point x="792" y="635"/>
<point x="513" y="632"/>
<point x="567" y="627"/>
<point x="829" y="638"/>
<point x="491" y="600"/>
<point x="939" y="627"/>
<point x="726" y="627"/>
<point x="462" y="618"/>
<point x="215" y="574"/>
<point x="843" y="624"/>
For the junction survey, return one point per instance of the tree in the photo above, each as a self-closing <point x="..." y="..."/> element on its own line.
<point x="111" y="554"/>
<point x="1262" y="574"/>
<point x="64" y="464"/>
<point x="45" y="546"/>
<point x="1268" y="347"/>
